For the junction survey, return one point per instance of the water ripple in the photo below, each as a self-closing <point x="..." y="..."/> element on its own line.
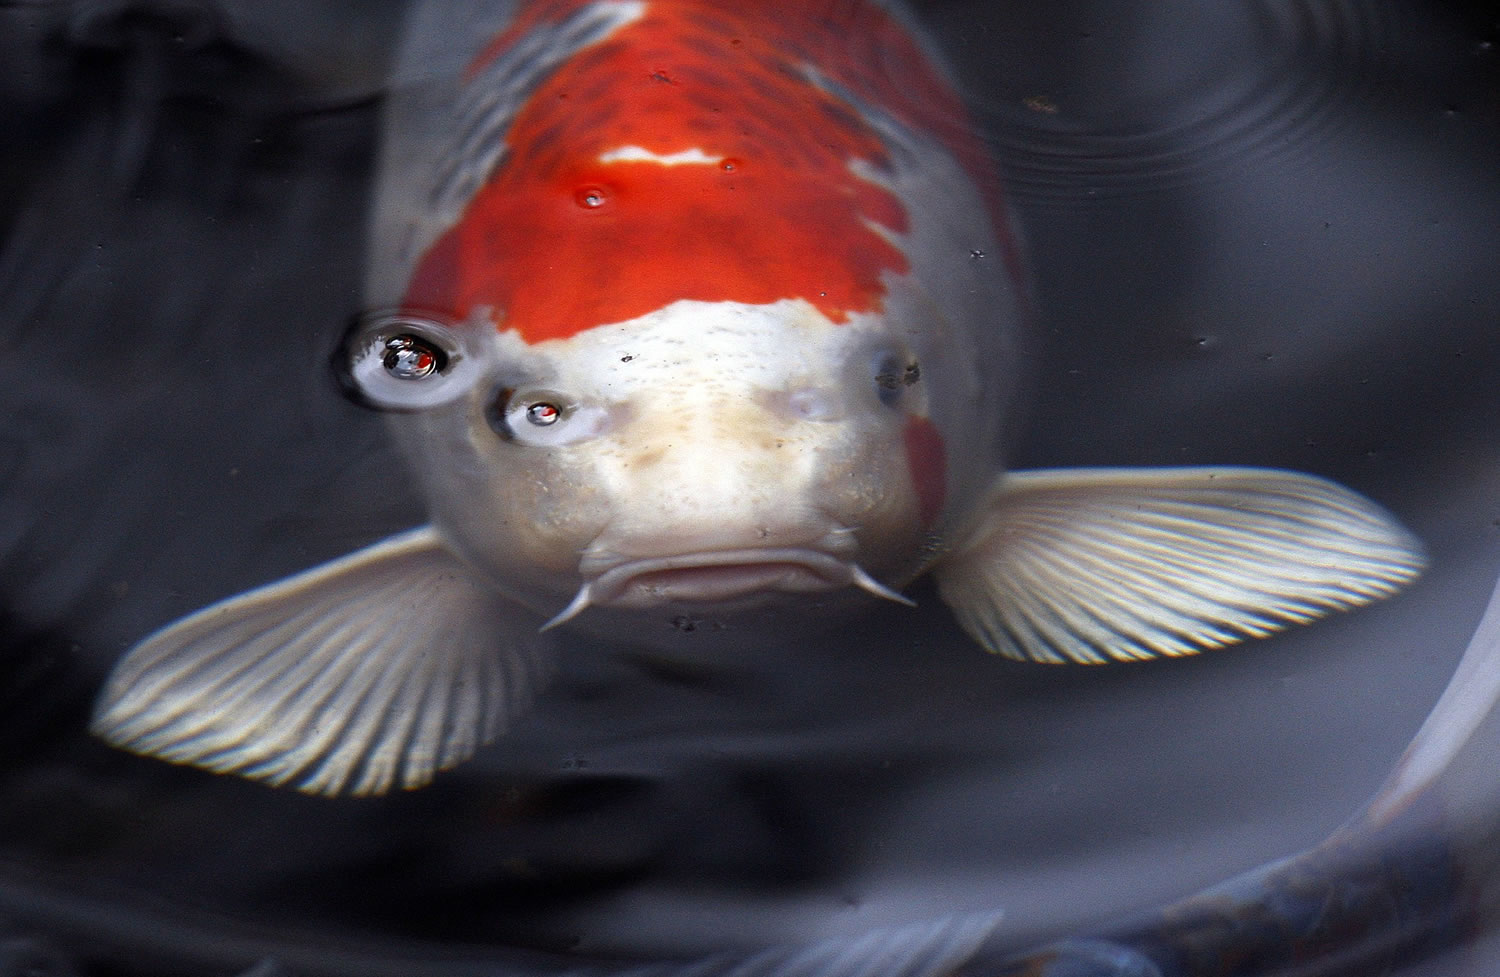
<point x="1281" y="80"/>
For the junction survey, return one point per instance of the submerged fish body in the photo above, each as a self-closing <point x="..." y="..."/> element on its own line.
<point x="702" y="310"/>
<point x="720" y="269"/>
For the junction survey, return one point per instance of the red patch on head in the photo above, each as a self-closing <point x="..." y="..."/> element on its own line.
<point x="927" y="462"/>
<point x="558" y="242"/>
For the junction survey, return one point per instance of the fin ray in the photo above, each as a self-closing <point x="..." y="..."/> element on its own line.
<point x="1123" y="564"/>
<point x="370" y="672"/>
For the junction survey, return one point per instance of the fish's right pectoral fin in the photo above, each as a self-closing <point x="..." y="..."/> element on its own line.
<point x="370" y="672"/>
<point x="1121" y="564"/>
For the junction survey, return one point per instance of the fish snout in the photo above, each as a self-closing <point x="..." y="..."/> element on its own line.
<point x="730" y="499"/>
<point x="723" y="567"/>
<point x="691" y="465"/>
<point x="716" y="576"/>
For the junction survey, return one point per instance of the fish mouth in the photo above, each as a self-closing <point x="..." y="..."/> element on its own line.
<point x="719" y="577"/>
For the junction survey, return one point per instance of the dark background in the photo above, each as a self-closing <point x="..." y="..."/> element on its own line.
<point x="1261" y="233"/>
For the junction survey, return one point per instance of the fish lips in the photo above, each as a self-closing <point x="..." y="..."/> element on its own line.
<point x="720" y="577"/>
<point x="719" y="580"/>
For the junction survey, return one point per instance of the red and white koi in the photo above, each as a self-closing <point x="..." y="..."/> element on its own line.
<point x="691" y="324"/>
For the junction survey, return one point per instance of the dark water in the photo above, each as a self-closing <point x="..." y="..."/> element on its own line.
<point x="1261" y="234"/>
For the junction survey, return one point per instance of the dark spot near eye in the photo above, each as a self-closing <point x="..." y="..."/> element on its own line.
<point x="889" y="379"/>
<point x="494" y="412"/>
<point x="627" y="358"/>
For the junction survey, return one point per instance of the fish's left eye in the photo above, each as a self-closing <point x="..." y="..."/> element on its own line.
<point x="892" y="376"/>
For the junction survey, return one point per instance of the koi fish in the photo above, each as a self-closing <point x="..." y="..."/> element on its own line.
<point x="693" y="338"/>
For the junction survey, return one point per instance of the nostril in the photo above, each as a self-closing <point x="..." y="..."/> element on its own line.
<point x="809" y="404"/>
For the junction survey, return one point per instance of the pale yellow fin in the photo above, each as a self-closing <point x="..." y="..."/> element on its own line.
<point x="936" y="948"/>
<point x="1098" y="565"/>
<point x="367" y="673"/>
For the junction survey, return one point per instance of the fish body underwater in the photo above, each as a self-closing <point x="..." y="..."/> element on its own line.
<point x="702" y="327"/>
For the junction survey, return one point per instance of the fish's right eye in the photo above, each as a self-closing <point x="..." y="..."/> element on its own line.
<point x="543" y="417"/>
<point x="407" y="362"/>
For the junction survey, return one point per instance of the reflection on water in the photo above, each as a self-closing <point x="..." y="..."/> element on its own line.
<point x="1190" y="92"/>
<point x="1258" y="236"/>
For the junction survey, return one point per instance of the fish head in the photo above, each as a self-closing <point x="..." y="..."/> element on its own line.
<point x="707" y="457"/>
<point x="710" y="329"/>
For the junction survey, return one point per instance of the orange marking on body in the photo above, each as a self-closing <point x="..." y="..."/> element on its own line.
<point x="558" y="242"/>
<point x="927" y="463"/>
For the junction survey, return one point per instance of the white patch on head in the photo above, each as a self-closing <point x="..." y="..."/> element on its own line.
<point x="640" y="154"/>
<point x="701" y="346"/>
<point x="718" y="423"/>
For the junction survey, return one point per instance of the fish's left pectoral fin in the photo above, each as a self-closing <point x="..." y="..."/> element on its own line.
<point x="370" y="672"/>
<point x="1099" y="565"/>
